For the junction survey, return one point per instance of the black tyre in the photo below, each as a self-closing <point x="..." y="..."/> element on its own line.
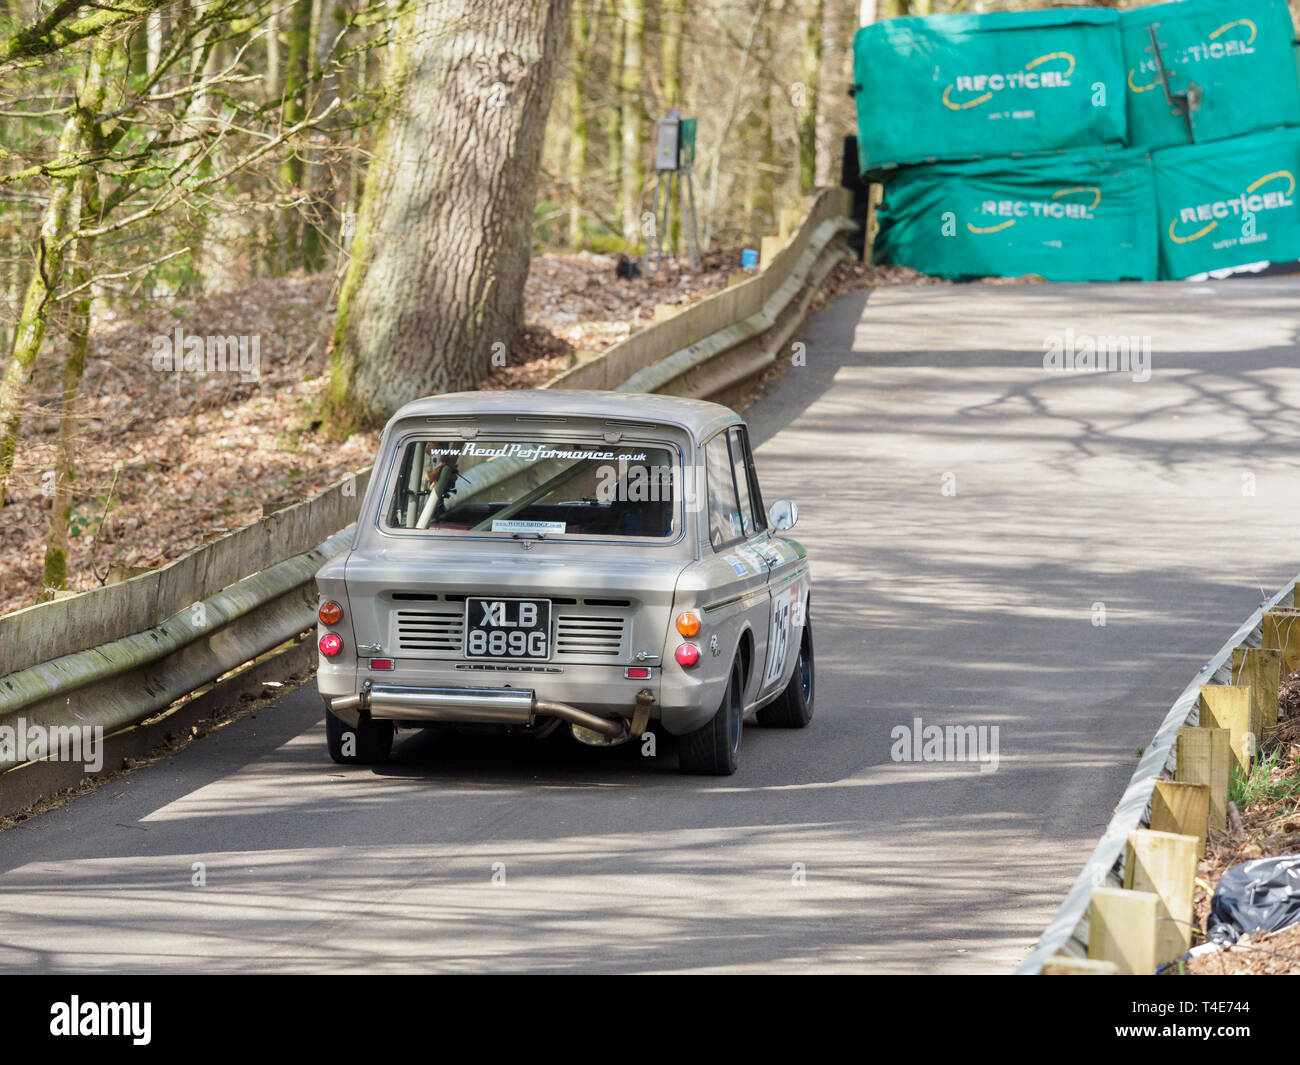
<point x="368" y="743"/>
<point x="714" y="748"/>
<point x="793" y="708"/>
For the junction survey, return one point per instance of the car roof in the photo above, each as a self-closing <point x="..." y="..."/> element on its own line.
<point x="698" y="417"/>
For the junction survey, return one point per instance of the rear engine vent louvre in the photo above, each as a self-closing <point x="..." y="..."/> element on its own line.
<point x="430" y="630"/>
<point x="578" y="634"/>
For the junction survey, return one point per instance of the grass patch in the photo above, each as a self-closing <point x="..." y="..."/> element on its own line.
<point x="1271" y="780"/>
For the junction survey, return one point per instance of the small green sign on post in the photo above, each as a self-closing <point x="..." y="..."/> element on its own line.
<point x="686" y="144"/>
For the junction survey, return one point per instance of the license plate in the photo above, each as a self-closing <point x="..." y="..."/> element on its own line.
<point x="508" y="628"/>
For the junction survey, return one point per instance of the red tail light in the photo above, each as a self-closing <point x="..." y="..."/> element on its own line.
<point x="688" y="655"/>
<point x="331" y="644"/>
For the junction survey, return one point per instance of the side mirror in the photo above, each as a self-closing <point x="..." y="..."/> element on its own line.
<point x="782" y="515"/>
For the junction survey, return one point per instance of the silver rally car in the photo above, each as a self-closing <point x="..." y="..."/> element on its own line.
<point x="595" y="560"/>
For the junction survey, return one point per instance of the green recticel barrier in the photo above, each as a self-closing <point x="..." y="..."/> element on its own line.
<point x="1079" y="216"/>
<point x="1235" y="60"/>
<point x="959" y="87"/>
<point x="1228" y="203"/>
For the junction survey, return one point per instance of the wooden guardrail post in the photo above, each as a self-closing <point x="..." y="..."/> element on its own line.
<point x="1228" y="706"/>
<point x="788" y="221"/>
<point x="1260" y="669"/>
<point x="1165" y="865"/>
<point x="1122" y="929"/>
<point x="1204" y="758"/>
<point x="1181" y="808"/>
<point x="1281" y="632"/>
<point x="768" y="249"/>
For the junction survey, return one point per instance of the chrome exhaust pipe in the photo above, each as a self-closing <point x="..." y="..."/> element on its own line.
<point x="489" y="706"/>
<point x="605" y="726"/>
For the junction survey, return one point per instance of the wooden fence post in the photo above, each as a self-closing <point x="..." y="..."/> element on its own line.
<point x="1122" y="929"/>
<point x="1260" y="668"/>
<point x="1183" y="809"/>
<point x="1165" y="865"/>
<point x="1204" y="758"/>
<point x="1228" y="706"/>
<point x="1281" y="632"/>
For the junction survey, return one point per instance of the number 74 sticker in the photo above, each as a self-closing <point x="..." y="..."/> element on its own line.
<point x="787" y="611"/>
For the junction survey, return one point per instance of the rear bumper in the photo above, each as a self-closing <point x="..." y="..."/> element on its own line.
<point x="490" y="706"/>
<point x="681" y="703"/>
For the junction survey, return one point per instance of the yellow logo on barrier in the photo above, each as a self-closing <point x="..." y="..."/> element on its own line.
<point x="1196" y="52"/>
<point x="1056" y="207"/>
<point x="1249" y="202"/>
<point x="1239" y="22"/>
<point x="987" y="85"/>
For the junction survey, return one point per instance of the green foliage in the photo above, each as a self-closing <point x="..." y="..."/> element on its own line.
<point x="607" y="243"/>
<point x="1262" y="783"/>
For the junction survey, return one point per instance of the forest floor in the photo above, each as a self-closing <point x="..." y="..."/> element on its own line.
<point x="167" y="460"/>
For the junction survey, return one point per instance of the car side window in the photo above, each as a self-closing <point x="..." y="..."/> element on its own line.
<point x="741" y="470"/>
<point x="725" y="524"/>
<point x="755" y="493"/>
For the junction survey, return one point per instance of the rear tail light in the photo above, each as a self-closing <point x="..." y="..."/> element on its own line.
<point x="381" y="663"/>
<point x="637" y="673"/>
<point x="330" y="613"/>
<point x="688" y="624"/>
<point x="331" y="644"/>
<point x="688" y="655"/>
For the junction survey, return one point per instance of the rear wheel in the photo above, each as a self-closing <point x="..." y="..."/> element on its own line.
<point x="714" y="749"/>
<point x="793" y="708"/>
<point x="366" y="743"/>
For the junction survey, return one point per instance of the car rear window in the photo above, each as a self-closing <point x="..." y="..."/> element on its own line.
<point x="534" y="488"/>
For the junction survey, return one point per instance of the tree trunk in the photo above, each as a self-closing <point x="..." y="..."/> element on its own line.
<point x="298" y="32"/>
<point x="578" y="123"/>
<point x="315" y="179"/>
<point x="271" y="77"/>
<point x="632" y="15"/>
<point x="74" y="369"/>
<point x="763" y="201"/>
<point x="614" y="113"/>
<point x="153" y="41"/>
<point x="443" y="236"/>
<point x="61" y="217"/>
<point x="670" y="51"/>
<point x="812" y="65"/>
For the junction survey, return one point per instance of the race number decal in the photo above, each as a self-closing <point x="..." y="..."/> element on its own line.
<point x="778" y="641"/>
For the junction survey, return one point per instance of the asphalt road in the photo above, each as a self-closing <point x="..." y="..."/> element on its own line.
<point x="965" y="510"/>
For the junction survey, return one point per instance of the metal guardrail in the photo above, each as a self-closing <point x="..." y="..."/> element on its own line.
<point x="1067" y="933"/>
<point x="118" y="655"/>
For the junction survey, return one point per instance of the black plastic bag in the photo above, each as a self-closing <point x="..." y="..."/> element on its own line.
<point x="1262" y="895"/>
